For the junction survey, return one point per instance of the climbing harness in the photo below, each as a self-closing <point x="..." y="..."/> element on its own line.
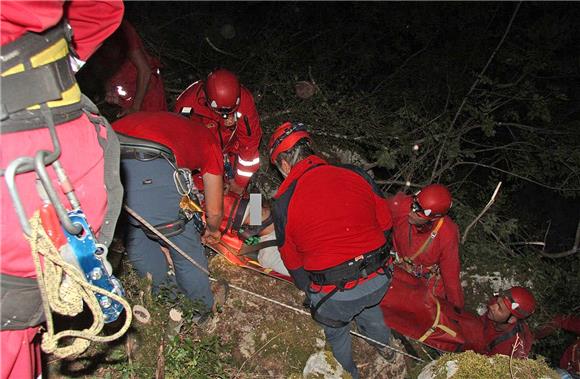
<point x="347" y="276"/>
<point x="408" y="263"/>
<point x="189" y="205"/>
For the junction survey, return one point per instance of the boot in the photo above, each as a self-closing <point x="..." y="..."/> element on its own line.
<point x="220" y="295"/>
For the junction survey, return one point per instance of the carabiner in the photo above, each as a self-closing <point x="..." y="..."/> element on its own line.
<point x="61" y="212"/>
<point x="9" y="177"/>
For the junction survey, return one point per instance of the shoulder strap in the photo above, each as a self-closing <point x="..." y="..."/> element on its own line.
<point x="506" y="336"/>
<point x="428" y="241"/>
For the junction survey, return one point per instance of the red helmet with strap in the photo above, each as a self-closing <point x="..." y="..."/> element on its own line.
<point x="433" y="201"/>
<point x="519" y="301"/>
<point x="222" y="89"/>
<point x="285" y="137"/>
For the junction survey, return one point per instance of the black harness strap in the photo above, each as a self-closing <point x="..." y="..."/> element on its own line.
<point x="248" y="130"/>
<point x="506" y="336"/>
<point x="21" y="303"/>
<point x="248" y="249"/>
<point x="325" y="320"/>
<point x="35" y="85"/>
<point x="248" y="231"/>
<point x="238" y="219"/>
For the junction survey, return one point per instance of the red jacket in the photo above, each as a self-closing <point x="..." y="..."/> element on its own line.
<point x="240" y="144"/>
<point x="504" y="342"/>
<point x="193" y="145"/>
<point x="570" y="359"/>
<point x="92" y="21"/>
<point x="443" y="250"/>
<point x="333" y="216"/>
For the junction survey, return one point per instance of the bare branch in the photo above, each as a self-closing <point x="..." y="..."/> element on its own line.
<point x="477" y="80"/>
<point x="490" y="202"/>
<point x="516" y="175"/>
<point x="218" y="49"/>
<point x="533" y="128"/>
<point x="400" y="182"/>
<point x="572" y="251"/>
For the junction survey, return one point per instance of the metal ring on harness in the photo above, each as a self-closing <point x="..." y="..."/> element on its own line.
<point x="9" y="177"/>
<point x="61" y="212"/>
<point x="185" y="173"/>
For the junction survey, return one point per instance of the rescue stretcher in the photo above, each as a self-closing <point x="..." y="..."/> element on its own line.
<point x="408" y="307"/>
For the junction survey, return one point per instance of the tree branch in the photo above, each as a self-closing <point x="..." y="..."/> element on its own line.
<point x="218" y="49"/>
<point x="516" y="175"/>
<point x="573" y="250"/>
<point x="475" y="83"/>
<point x="489" y="204"/>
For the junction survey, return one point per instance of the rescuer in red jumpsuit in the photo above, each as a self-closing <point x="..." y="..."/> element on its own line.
<point x="228" y="110"/>
<point x="330" y="225"/>
<point x="136" y="84"/>
<point x="570" y="359"/>
<point x="33" y="101"/>
<point x="502" y="329"/>
<point x="427" y="240"/>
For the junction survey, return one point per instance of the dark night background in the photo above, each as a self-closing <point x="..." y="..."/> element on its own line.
<point x="489" y="92"/>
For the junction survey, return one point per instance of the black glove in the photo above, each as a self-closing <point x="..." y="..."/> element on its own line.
<point x="306" y="301"/>
<point x="301" y="279"/>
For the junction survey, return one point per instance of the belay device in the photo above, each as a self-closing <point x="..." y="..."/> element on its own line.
<point x="88" y="255"/>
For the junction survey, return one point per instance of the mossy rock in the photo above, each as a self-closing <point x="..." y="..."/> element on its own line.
<point x="470" y="365"/>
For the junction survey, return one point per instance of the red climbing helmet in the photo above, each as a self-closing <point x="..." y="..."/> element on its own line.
<point x="433" y="201"/>
<point x="285" y="137"/>
<point x="222" y="89"/>
<point x="519" y="301"/>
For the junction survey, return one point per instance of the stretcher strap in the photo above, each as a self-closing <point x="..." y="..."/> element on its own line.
<point x="436" y="325"/>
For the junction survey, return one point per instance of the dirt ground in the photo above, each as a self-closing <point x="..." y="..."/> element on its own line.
<point x="273" y="341"/>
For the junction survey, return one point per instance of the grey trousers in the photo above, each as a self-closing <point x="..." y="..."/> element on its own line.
<point x="360" y="304"/>
<point x="150" y="191"/>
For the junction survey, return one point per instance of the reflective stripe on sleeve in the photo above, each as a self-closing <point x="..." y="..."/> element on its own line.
<point x="253" y="162"/>
<point x="247" y="174"/>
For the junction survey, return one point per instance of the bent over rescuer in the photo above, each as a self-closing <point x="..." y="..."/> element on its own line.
<point x="330" y="224"/>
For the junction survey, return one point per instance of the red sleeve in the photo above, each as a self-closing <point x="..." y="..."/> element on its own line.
<point x="131" y="36"/>
<point x="399" y="205"/>
<point x="383" y="213"/>
<point x="213" y="158"/>
<point x="449" y="263"/>
<point x="249" y="136"/>
<point x="18" y="17"/>
<point x="92" y="22"/>
<point x="566" y="322"/>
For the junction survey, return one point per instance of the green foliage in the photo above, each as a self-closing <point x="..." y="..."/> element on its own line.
<point x="188" y="358"/>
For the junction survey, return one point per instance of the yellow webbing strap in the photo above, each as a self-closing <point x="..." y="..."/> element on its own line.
<point x="52" y="53"/>
<point x="63" y="290"/>
<point x="429" y="240"/>
<point x="436" y="325"/>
